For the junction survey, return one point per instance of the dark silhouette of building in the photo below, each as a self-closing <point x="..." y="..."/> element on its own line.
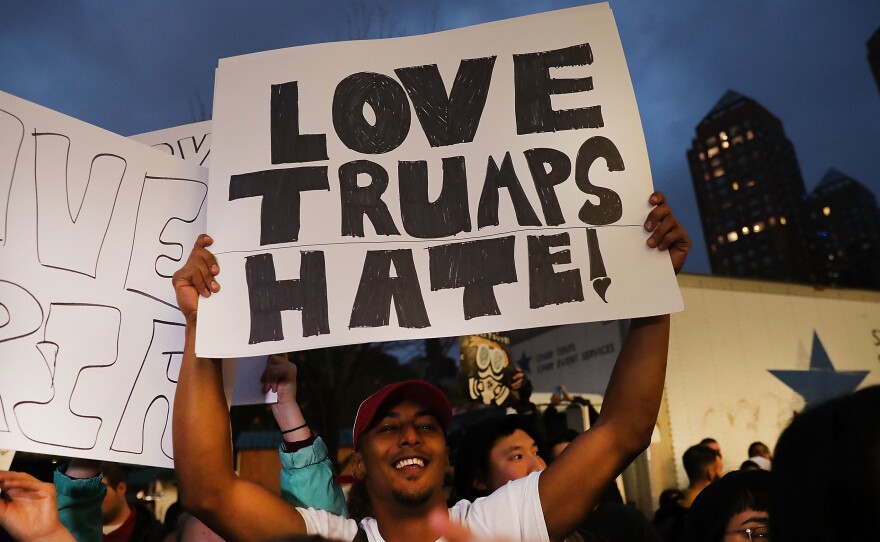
<point x="874" y="55"/>
<point x="750" y="193"/>
<point x="845" y="228"/>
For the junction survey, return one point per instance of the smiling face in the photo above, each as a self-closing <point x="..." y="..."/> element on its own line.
<point x="513" y="457"/>
<point x="404" y="457"/>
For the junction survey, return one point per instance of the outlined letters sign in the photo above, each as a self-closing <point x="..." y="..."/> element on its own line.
<point x="488" y="178"/>
<point x="190" y="142"/>
<point x="94" y="224"/>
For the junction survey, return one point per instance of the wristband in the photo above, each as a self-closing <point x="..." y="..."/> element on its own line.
<point x="295" y="429"/>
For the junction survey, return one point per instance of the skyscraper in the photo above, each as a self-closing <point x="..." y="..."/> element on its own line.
<point x="845" y="233"/>
<point x="874" y="55"/>
<point x="750" y="192"/>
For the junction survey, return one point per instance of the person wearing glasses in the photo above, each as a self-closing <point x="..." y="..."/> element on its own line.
<point x="733" y="509"/>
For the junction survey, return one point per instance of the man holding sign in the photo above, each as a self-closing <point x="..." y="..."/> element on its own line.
<point x="400" y="439"/>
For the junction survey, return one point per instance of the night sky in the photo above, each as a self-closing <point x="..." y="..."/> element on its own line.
<point x="136" y="67"/>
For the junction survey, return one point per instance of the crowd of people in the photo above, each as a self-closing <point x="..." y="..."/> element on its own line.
<point x="507" y="484"/>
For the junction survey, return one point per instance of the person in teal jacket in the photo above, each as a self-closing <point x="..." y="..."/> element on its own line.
<point x="306" y="470"/>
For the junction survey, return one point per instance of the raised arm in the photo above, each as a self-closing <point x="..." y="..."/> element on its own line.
<point x="210" y="490"/>
<point x="80" y="491"/>
<point x="571" y="486"/>
<point x="306" y="471"/>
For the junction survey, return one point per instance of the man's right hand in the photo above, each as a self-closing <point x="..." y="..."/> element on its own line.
<point x="196" y="277"/>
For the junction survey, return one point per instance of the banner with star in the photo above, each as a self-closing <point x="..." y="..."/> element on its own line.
<point x="747" y="355"/>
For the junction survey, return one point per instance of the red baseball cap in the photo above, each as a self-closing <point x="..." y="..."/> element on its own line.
<point x="418" y="391"/>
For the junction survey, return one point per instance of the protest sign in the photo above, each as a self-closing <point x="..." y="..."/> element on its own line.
<point x="485" y="369"/>
<point x="93" y="226"/>
<point x="192" y="143"/>
<point x="481" y="179"/>
<point x="579" y="357"/>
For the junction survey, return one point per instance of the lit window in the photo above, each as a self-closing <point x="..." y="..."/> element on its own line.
<point x="718" y="172"/>
<point x="712" y="152"/>
<point x="772" y="221"/>
<point x="735" y="185"/>
<point x="826" y="211"/>
<point x="750" y="135"/>
<point x="706" y="176"/>
<point x="745" y="230"/>
<point x="711" y="141"/>
<point x="725" y="144"/>
<point x="750" y="184"/>
<point x="782" y="220"/>
<point x="738" y="139"/>
<point x="732" y="236"/>
<point x="831" y="256"/>
<point x="716" y="162"/>
<point x="702" y="156"/>
<point x="723" y="136"/>
<point x="720" y="239"/>
<point x="759" y="226"/>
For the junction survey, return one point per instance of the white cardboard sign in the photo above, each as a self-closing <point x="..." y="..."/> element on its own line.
<point x="579" y="357"/>
<point x="92" y="225"/>
<point x="488" y="178"/>
<point x="192" y="143"/>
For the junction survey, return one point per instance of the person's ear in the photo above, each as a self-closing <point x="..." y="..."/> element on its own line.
<point x="122" y="487"/>
<point x="712" y="473"/>
<point x="357" y="466"/>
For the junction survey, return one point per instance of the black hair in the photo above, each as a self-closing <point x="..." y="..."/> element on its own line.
<point x="472" y="457"/>
<point x="697" y="459"/>
<point x="755" y="448"/>
<point x="708" y="441"/>
<point x="566" y="435"/>
<point x="748" y="464"/>
<point x="736" y="492"/>
<point x="826" y="472"/>
<point x="670" y="497"/>
<point x="114" y="472"/>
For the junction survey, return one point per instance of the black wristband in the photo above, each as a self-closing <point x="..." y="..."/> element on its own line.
<point x="295" y="429"/>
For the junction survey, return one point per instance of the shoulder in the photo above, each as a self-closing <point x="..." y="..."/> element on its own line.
<point x="512" y="511"/>
<point x="328" y="525"/>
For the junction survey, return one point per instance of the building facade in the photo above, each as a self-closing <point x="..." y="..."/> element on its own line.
<point x="750" y="193"/>
<point x="845" y="233"/>
<point x="874" y="55"/>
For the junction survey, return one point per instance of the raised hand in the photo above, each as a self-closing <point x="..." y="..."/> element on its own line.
<point x="667" y="233"/>
<point x="280" y="376"/>
<point x="29" y="509"/>
<point x="197" y="277"/>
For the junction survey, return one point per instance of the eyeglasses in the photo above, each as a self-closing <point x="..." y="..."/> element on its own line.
<point x="758" y="533"/>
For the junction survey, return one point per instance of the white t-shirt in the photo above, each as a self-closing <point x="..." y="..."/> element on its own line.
<point x="513" y="512"/>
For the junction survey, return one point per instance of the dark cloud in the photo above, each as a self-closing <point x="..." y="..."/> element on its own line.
<point x="132" y="67"/>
